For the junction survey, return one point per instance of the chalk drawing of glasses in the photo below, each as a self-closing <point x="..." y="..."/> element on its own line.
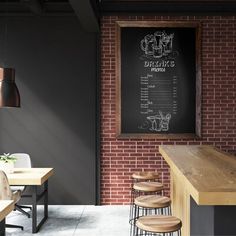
<point x="159" y="122"/>
<point x="158" y="44"/>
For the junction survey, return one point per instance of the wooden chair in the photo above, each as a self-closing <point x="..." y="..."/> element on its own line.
<point x="158" y="225"/>
<point x="7" y="194"/>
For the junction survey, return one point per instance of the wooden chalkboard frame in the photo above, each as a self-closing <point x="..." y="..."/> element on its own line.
<point x="159" y="24"/>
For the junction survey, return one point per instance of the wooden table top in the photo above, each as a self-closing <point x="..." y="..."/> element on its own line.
<point x="29" y="176"/>
<point x="210" y="174"/>
<point x="6" y="206"/>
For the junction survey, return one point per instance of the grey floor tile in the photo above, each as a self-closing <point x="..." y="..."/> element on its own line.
<point x="76" y="221"/>
<point x="104" y="221"/>
<point x="62" y="221"/>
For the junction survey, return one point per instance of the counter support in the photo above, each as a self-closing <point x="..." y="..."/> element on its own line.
<point x="203" y="189"/>
<point x="212" y="220"/>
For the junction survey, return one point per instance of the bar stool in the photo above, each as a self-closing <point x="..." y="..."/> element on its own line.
<point x="149" y="205"/>
<point x="142" y="189"/>
<point x="152" y="204"/>
<point x="138" y="177"/>
<point x="145" y="175"/>
<point x="150" y="186"/>
<point x="158" y="224"/>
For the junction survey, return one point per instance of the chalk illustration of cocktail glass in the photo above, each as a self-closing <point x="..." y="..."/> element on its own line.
<point x="158" y="35"/>
<point x="164" y="122"/>
<point x="147" y="44"/>
<point x="157" y="47"/>
<point x="167" y="43"/>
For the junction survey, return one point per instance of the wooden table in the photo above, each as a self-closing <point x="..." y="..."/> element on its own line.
<point x="34" y="177"/>
<point x="203" y="189"/>
<point x="6" y="206"/>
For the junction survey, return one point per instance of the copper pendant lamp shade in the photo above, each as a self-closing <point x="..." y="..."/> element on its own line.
<point x="9" y="94"/>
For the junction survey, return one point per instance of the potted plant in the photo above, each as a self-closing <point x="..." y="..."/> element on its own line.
<point x="7" y="162"/>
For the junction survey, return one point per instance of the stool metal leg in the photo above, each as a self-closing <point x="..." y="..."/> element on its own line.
<point x="131" y="204"/>
<point x="134" y="219"/>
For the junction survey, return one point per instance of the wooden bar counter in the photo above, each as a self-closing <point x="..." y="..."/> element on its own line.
<point x="203" y="189"/>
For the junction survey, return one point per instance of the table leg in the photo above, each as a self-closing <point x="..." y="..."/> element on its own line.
<point x="46" y="200"/>
<point x="212" y="220"/>
<point x="35" y="199"/>
<point x="2" y="227"/>
<point x="34" y="209"/>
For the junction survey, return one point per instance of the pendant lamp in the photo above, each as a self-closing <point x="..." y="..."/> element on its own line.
<point x="9" y="94"/>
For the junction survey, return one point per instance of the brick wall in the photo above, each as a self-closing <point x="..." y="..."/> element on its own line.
<point x="120" y="158"/>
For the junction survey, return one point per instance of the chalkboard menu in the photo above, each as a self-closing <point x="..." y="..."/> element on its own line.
<point x="158" y="79"/>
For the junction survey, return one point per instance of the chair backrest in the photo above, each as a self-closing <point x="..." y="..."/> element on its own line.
<point x="5" y="190"/>
<point x="23" y="160"/>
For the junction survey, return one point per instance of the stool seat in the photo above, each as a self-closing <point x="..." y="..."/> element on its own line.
<point x="152" y="201"/>
<point x="159" y="223"/>
<point x="148" y="186"/>
<point x="145" y="175"/>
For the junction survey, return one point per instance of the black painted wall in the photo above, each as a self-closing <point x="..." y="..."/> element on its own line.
<point x="55" y="62"/>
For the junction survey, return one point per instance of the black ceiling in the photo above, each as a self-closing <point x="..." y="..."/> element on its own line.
<point x="89" y="11"/>
<point x="168" y="6"/>
<point x="117" y="6"/>
<point x="35" y="7"/>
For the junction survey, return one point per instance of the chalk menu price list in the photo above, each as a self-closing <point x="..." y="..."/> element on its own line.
<point x="158" y="101"/>
<point x="158" y="94"/>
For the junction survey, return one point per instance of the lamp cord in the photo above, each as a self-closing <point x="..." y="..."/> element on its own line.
<point x="5" y="36"/>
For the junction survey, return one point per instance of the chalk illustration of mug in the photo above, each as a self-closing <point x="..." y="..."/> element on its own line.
<point x="157" y="51"/>
<point x="147" y="44"/>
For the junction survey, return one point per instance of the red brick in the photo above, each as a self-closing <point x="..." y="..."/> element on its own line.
<point x="119" y="158"/>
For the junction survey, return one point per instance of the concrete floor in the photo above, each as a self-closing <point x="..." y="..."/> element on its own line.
<point x="76" y="221"/>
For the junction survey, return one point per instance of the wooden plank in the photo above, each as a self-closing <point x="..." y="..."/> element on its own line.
<point x="6" y="206"/>
<point x="180" y="198"/>
<point x="29" y="176"/>
<point x="208" y="174"/>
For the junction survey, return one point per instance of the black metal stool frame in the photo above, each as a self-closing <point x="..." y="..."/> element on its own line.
<point x="134" y="194"/>
<point x="140" y="232"/>
<point x="146" y="211"/>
